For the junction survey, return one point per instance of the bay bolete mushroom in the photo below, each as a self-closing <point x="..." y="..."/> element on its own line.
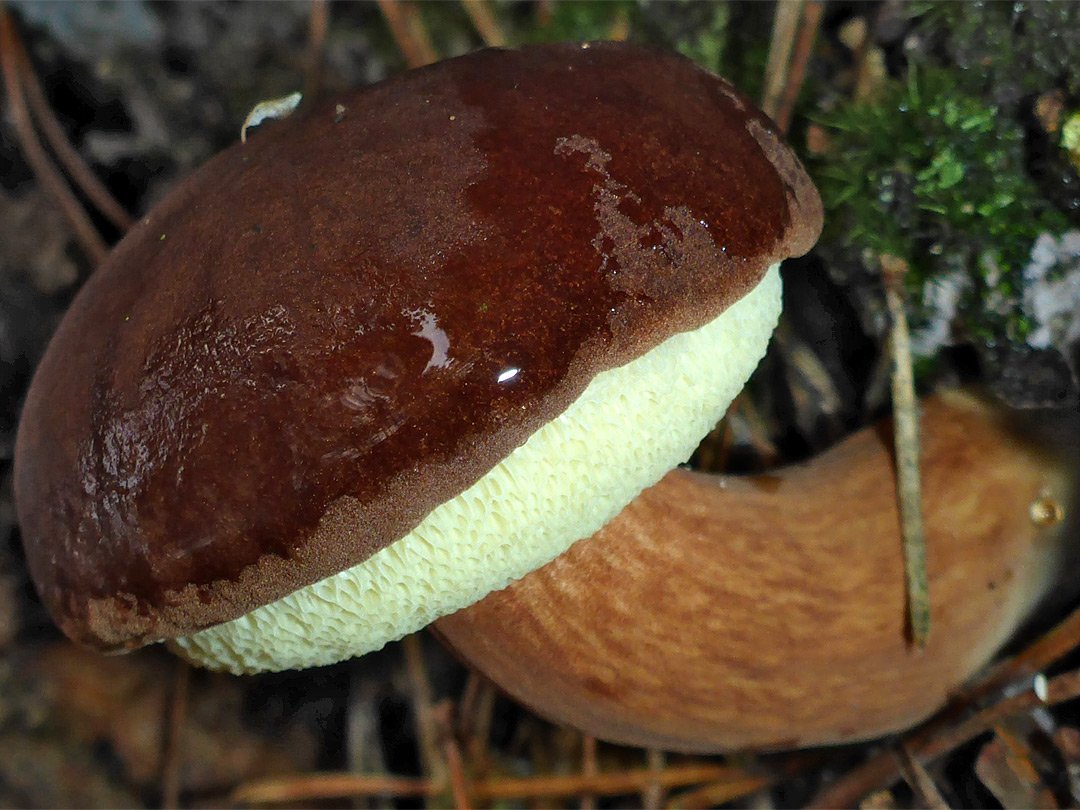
<point x="383" y="359"/>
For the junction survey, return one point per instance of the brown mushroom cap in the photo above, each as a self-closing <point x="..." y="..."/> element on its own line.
<point x="303" y="350"/>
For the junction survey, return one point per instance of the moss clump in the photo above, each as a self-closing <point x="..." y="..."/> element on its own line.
<point x="937" y="178"/>
<point x="1009" y="50"/>
<point x="936" y="169"/>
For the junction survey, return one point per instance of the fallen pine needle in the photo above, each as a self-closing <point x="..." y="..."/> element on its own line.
<point x="908" y="477"/>
<point x="345" y="785"/>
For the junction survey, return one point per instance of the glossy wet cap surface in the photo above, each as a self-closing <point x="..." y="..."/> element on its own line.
<point x="366" y="308"/>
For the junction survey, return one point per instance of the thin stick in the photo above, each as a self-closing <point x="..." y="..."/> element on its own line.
<point x="862" y="780"/>
<point x="652" y="798"/>
<point x="345" y="785"/>
<point x="459" y="785"/>
<point x="455" y="764"/>
<point x="86" y="235"/>
<point x="540" y="755"/>
<point x="84" y="177"/>
<point x="867" y="55"/>
<point x="719" y="792"/>
<point x="545" y="10"/>
<point x="481" y="719"/>
<point x="363" y="743"/>
<point x="1067" y="743"/>
<point x="1035" y="658"/>
<point x="1019" y="756"/>
<point x="424" y="709"/>
<point x="916" y="776"/>
<point x="608" y="784"/>
<point x="812" y="12"/>
<point x="588" y="768"/>
<point x="467" y="704"/>
<point x="727" y="441"/>
<point x="172" y="758"/>
<point x="318" y="25"/>
<point x="1058" y="690"/>
<point x="906" y="438"/>
<point x="317" y="786"/>
<point x="785" y="24"/>
<point x="620" y="26"/>
<point x="932" y="741"/>
<point x="759" y="430"/>
<point x="409" y="32"/>
<point x="484" y="22"/>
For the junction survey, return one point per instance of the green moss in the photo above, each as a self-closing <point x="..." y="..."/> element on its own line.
<point x="583" y="21"/>
<point x="707" y="42"/>
<point x="935" y="174"/>
<point x="1007" y="50"/>
<point x="1070" y="138"/>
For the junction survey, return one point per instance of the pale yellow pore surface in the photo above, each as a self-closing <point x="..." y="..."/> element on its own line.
<point x="630" y="426"/>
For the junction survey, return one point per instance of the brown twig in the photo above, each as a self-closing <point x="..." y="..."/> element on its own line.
<point x="545" y="10"/>
<point x="409" y="32"/>
<point x="785" y="24"/>
<point x="469" y="703"/>
<point x="608" y="784"/>
<point x="758" y="430"/>
<point x="937" y="738"/>
<point x="318" y="25"/>
<point x="620" y="26"/>
<point x="172" y="758"/>
<point x="1058" y="690"/>
<point x="344" y="785"/>
<point x="718" y="792"/>
<point x="1067" y="743"/>
<point x="715" y="449"/>
<point x="317" y="786"/>
<point x="908" y="476"/>
<point x="427" y="730"/>
<point x="652" y="798"/>
<point x="861" y="781"/>
<point x="476" y="730"/>
<point x="812" y="12"/>
<point x="484" y="22"/>
<point x="869" y="59"/>
<point x="69" y="157"/>
<point x="1035" y="658"/>
<point x="879" y="800"/>
<point x="916" y="776"/>
<point x="455" y="764"/>
<point x="812" y="387"/>
<point x="50" y="178"/>
<point x="588" y="768"/>
<point x="540" y="752"/>
<point x="363" y="742"/>
<point x="1019" y="759"/>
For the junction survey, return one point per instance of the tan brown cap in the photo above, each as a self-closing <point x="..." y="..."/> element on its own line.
<point x="322" y="320"/>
